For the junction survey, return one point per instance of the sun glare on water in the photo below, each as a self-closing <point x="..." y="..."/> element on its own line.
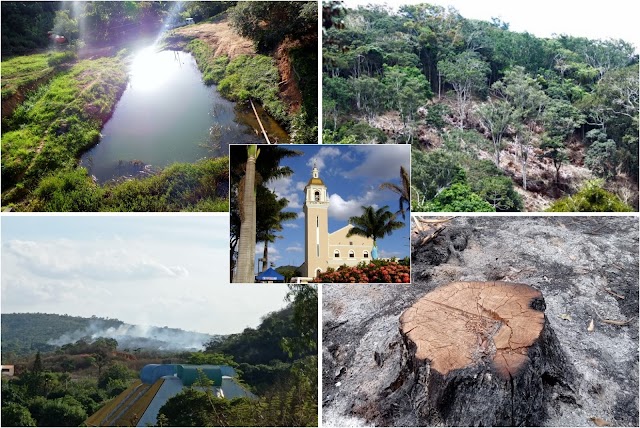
<point x="150" y="70"/>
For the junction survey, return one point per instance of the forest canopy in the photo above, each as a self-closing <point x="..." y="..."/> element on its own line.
<point x="550" y="113"/>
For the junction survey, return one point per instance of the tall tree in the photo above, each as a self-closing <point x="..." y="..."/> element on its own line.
<point x="404" y="191"/>
<point x="496" y="116"/>
<point x="271" y="219"/>
<point x="37" y="364"/>
<point x="466" y="72"/>
<point x="374" y="224"/>
<point x="247" y="240"/>
<point x="553" y="149"/>
<point x="528" y="101"/>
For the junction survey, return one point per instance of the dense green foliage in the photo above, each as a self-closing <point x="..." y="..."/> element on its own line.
<point x="536" y="101"/>
<point x="591" y="198"/>
<point x="25" y="24"/>
<point x="453" y="180"/>
<point x="269" y="23"/>
<point x="20" y="32"/>
<point x="43" y="396"/>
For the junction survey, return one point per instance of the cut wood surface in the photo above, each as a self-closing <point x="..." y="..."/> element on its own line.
<point x="463" y="323"/>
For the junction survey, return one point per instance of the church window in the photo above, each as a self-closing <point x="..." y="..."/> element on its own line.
<point x="352" y="254"/>
<point x="317" y="196"/>
<point x="365" y="254"/>
<point x="336" y="254"/>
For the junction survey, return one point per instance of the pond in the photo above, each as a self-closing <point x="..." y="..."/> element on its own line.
<point x="166" y="115"/>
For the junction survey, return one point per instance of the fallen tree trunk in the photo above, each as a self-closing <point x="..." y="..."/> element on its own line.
<point x="481" y="354"/>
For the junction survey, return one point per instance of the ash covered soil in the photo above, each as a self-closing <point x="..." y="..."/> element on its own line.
<point x="586" y="268"/>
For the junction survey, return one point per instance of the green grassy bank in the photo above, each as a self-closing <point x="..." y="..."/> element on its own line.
<point x="60" y="119"/>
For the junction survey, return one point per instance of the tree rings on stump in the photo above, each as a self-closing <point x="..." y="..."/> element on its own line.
<point x="479" y="352"/>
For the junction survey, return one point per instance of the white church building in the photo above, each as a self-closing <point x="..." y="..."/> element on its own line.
<point x="325" y="250"/>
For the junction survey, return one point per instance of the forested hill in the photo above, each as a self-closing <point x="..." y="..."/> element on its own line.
<point x="499" y="120"/>
<point x="27" y="333"/>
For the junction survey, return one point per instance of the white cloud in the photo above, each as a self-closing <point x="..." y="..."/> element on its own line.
<point x="341" y="209"/>
<point x="291" y="225"/>
<point x="284" y="188"/>
<point x="321" y="156"/>
<point x="272" y="251"/>
<point x="296" y="248"/>
<point x="102" y="261"/>
<point x="382" y="161"/>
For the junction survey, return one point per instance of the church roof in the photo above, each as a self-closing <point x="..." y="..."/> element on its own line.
<point x="316" y="181"/>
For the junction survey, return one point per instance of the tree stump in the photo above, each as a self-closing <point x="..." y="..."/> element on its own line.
<point x="482" y="354"/>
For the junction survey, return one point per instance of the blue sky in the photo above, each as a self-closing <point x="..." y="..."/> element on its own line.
<point x="142" y="269"/>
<point x="352" y="174"/>
<point x="616" y="19"/>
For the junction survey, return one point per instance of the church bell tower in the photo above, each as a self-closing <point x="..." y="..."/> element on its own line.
<point x="316" y="218"/>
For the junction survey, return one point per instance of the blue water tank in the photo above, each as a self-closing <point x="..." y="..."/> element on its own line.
<point x="152" y="372"/>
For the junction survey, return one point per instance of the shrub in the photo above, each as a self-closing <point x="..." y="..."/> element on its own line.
<point x="591" y="198"/>
<point x="15" y="415"/>
<point x="435" y="115"/>
<point x="115" y="372"/>
<point x="68" y="190"/>
<point x="374" y="271"/>
<point x="457" y="198"/>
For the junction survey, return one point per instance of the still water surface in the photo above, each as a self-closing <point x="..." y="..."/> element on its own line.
<point x="166" y="115"/>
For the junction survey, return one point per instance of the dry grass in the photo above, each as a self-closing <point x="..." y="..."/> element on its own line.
<point x="221" y="37"/>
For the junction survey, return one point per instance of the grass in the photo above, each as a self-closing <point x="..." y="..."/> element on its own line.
<point x="180" y="187"/>
<point x="55" y="125"/>
<point x="242" y="78"/>
<point x="23" y="71"/>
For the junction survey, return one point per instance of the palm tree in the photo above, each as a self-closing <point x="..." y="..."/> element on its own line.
<point x="268" y="168"/>
<point x="374" y="224"/>
<point x="271" y="219"/>
<point x="247" y="240"/>
<point x="404" y="191"/>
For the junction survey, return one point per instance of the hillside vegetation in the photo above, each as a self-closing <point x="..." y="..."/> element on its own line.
<point x="498" y="120"/>
<point x="62" y="387"/>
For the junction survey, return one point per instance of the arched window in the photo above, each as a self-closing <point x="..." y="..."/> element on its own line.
<point x="365" y="254"/>
<point x="318" y="272"/>
<point x="352" y="254"/>
<point x="336" y="254"/>
<point x="317" y="196"/>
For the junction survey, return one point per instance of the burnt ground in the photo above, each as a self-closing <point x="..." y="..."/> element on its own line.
<point x="572" y="260"/>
